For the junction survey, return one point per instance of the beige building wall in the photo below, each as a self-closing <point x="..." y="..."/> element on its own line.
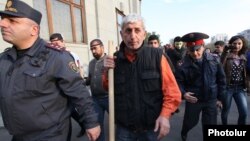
<point x="101" y="23"/>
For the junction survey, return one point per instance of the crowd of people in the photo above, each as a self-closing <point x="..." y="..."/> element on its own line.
<point x="42" y="85"/>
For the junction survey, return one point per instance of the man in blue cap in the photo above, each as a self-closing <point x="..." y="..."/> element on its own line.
<point x="40" y="85"/>
<point x="202" y="81"/>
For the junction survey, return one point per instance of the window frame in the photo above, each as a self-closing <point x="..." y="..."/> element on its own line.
<point x="118" y="13"/>
<point x="72" y="5"/>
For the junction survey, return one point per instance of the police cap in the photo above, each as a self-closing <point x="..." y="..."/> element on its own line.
<point x="18" y="8"/>
<point x="194" y="40"/>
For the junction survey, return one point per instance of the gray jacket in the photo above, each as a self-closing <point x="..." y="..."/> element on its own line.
<point x="95" y="78"/>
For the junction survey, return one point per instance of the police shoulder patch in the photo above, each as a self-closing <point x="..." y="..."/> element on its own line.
<point x="55" y="47"/>
<point x="73" y="67"/>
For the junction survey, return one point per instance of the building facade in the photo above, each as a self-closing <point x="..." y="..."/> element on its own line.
<point x="246" y="34"/>
<point x="80" y="21"/>
<point x="219" y="37"/>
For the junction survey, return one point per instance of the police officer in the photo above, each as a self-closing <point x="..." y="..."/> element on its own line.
<point x="39" y="85"/>
<point x="202" y="82"/>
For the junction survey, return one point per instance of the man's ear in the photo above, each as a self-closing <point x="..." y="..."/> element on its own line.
<point x="35" y="30"/>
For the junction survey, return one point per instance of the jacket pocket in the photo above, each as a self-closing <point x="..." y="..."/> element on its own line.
<point x="35" y="79"/>
<point x="151" y="81"/>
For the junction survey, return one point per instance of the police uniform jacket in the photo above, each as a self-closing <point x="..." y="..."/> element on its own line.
<point x="37" y="89"/>
<point x="207" y="82"/>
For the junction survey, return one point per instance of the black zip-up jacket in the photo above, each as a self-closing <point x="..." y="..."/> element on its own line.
<point x="39" y="89"/>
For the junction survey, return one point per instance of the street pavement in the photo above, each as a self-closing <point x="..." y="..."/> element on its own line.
<point x="176" y="122"/>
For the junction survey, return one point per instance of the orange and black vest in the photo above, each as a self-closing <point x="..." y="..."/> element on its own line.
<point x="138" y="88"/>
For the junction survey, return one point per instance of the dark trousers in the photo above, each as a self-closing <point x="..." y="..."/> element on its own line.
<point x="192" y="115"/>
<point x="125" y="134"/>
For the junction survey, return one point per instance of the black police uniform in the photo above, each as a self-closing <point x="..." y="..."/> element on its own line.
<point x="38" y="88"/>
<point x="206" y="79"/>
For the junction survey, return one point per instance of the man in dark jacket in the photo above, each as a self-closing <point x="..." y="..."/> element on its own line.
<point x="39" y="84"/>
<point x="202" y="81"/>
<point x="178" y="52"/>
<point x="146" y="92"/>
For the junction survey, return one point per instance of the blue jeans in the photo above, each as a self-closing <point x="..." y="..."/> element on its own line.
<point x="124" y="134"/>
<point x="101" y="105"/>
<point x="239" y="95"/>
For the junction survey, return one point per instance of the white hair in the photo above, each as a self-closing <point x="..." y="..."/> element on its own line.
<point x="131" y="18"/>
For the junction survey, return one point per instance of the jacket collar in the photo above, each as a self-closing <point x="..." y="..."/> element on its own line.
<point x="121" y="52"/>
<point x="30" y="52"/>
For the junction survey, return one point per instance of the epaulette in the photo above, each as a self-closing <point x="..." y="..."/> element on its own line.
<point x="55" y="47"/>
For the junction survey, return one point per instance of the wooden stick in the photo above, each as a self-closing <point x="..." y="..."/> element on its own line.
<point x="111" y="96"/>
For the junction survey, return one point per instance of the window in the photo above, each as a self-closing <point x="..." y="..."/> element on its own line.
<point x="119" y="16"/>
<point x="2" y="4"/>
<point x="63" y="16"/>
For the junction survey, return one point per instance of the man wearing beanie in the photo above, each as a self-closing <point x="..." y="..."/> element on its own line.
<point x="40" y="85"/>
